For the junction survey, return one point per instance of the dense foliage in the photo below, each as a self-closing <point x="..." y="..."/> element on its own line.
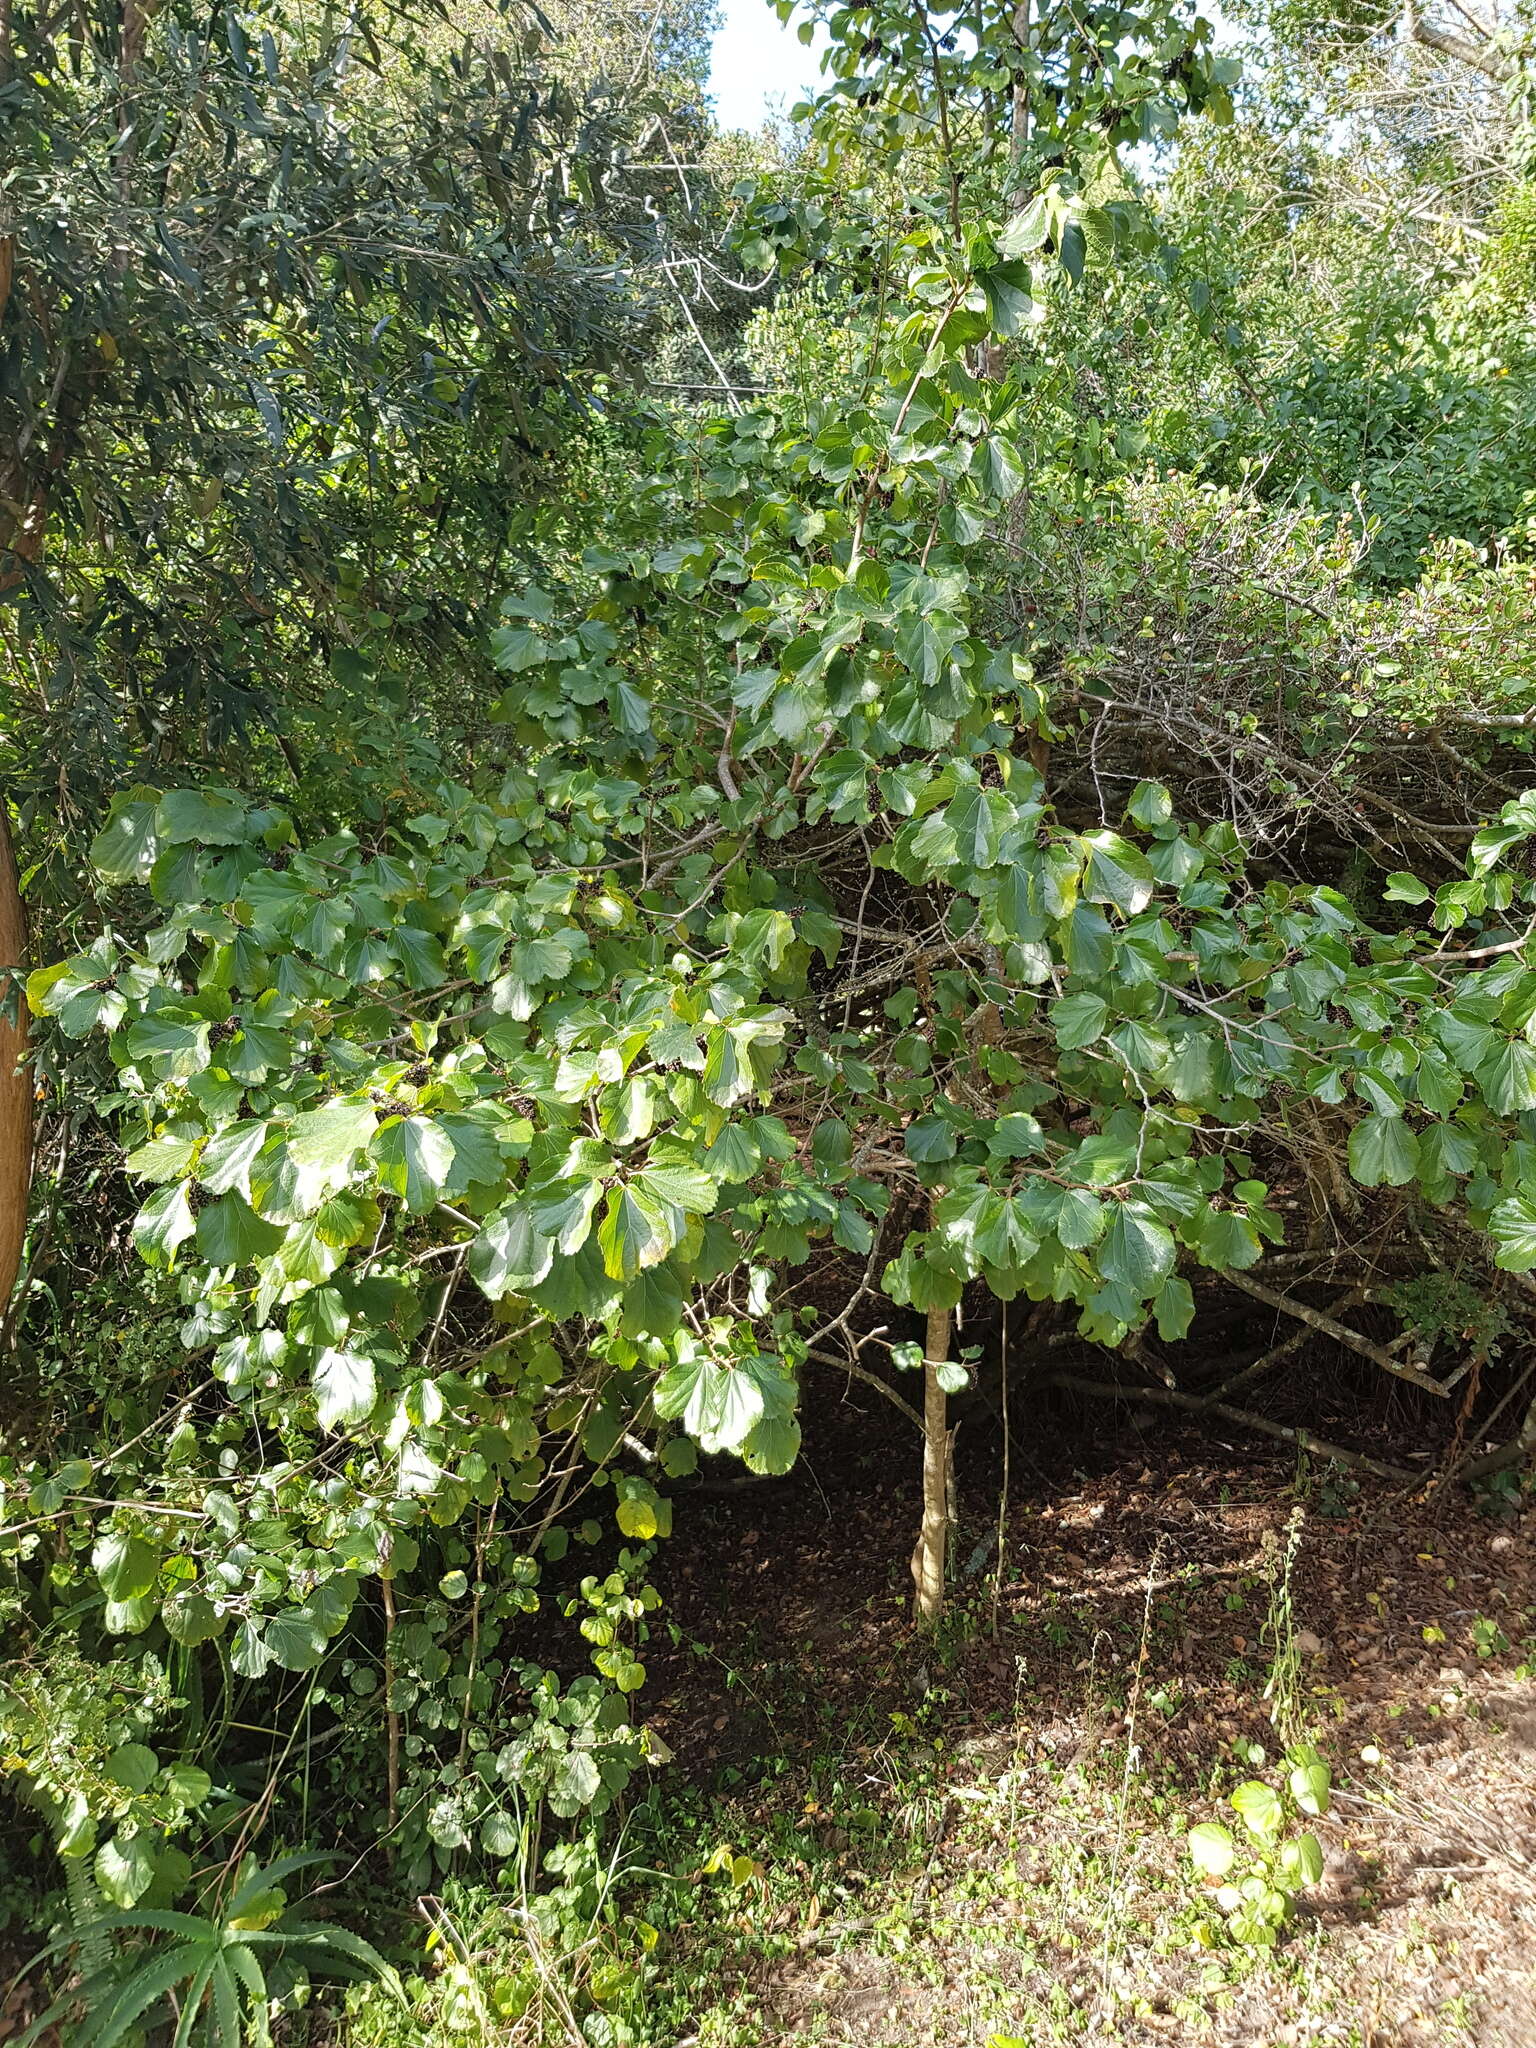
<point x="1021" y="797"/>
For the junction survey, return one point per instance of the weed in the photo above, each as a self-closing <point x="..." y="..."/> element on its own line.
<point x="1283" y="1688"/>
<point x="1256" y="1892"/>
<point x="1488" y="1639"/>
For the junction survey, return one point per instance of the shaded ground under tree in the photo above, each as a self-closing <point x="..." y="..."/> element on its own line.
<point x="987" y="1837"/>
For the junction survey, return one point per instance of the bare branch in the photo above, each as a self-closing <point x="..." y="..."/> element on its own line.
<point x="1170" y="1397"/>
<point x="862" y="1372"/>
<point x="1483" y="57"/>
<point x="1340" y="1332"/>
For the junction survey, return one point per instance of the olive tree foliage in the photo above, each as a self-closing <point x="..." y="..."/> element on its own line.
<point x="497" y="1143"/>
<point x="293" y="298"/>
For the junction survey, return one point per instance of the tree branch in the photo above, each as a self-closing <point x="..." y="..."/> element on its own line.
<point x="1340" y="1332"/>
<point x="1481" y="57"/>
<point x="1170" y="1397"/>
<point x="862" y="1372"/>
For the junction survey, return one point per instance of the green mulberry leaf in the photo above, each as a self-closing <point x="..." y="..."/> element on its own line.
<point x="345" y="1388"/>
<point x="1117" y="873"/>
<point x="1136" y="1251"/>
<point x="230" y="1233"/>
<point x="202" y="817"/>
<point x="127" y="847"/>
<point x="1383" y="1152"/>
<point x="1512" y="1226"/>
<point x="414" y="1156"/>
<point x="1228" y="1240"/>
<point x="510" y="1255"/>
<point x="164" y="1224"/>
<point x="1078" y="1020"/>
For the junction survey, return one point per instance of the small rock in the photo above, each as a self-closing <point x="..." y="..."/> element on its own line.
<point x="1309" y="1644"/>
<point x="1499" y="1544"/>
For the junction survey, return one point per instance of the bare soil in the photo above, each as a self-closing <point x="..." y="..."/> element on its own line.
<point x="1013" y="1866"/>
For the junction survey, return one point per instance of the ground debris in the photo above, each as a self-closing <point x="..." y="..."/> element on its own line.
<point x="1008" y="1873"/>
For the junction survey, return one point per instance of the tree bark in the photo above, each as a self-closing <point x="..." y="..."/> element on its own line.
<point x="15" y="1082"/>
<point x="16" y="522"/>
<point x="1020" y="112"/>
<point x="1482" y="57"/>
<point x="1515" y="1452"/>
<point x="928" y="1559"/>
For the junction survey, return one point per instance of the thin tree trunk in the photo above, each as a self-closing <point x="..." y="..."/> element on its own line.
<point x="15" y="524"/>
<point x="391" y="1717"/>
<point x="1020" y="124"/>
<point x="1515" y="1452"/>
<point x="130" y="50"/>
<point x="928" y="1558"/>
<point x="15" y="1081"/>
